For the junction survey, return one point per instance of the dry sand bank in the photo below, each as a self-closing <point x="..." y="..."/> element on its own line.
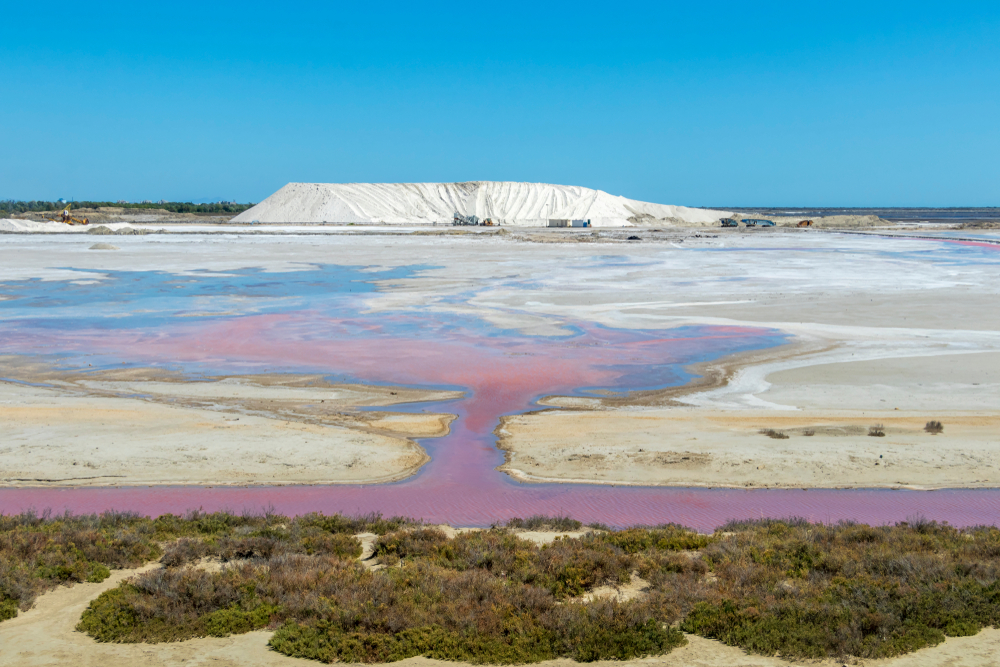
<point x="46" y="635"/>
<point x="144" y="426"/>
<point x="696" y="447"/>
<point x="825" y="409"/>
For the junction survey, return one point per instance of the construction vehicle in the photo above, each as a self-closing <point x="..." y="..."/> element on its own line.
<point x="67" y="217"/>
<point x="465" y="220"/>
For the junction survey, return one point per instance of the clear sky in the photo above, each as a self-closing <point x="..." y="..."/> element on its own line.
<point x="700" y="103"/>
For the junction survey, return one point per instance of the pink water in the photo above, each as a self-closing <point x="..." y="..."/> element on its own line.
<point x="502" y="373"/>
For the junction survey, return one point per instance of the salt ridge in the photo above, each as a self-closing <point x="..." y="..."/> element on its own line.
<point x="511" y="203"/>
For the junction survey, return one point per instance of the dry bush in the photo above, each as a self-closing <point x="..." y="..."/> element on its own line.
<point x="389" y="549"/>
<point x="665" y="537"/>
<point x="769" y="586"/>
<point x="877" y="431"/>
<point x="39" y="552"/>
<point x="771" y="433"/>
<point x="184" y="551"/>
<point x="814" y="591"/>
<point x="934" y="427"/>
<point x="544" y="522"/>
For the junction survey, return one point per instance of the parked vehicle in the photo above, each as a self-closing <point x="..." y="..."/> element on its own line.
<point x="730" y="222"/>
<point x="758" y="222"/>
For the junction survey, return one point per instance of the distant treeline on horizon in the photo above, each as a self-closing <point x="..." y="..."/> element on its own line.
<point x="11" y="206"/>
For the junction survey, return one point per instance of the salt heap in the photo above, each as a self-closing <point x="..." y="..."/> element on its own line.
<point x="506" y="202"/>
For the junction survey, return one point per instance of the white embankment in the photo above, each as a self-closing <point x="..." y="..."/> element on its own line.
<point x="509" y="203"/>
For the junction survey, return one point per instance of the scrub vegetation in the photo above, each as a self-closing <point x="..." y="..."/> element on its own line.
<point x="11" y="207"/>
<point x="773" y="587"/>
<point x="38" y="553"/>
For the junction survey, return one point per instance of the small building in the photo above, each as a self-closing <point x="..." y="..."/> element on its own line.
<point x="559" y="223"/>
<point x="580" y="223"/>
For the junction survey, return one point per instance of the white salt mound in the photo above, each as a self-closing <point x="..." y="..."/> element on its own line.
<point x="507" y="202"/>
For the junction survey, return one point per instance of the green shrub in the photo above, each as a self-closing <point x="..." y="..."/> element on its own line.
<point x="109" y="617"/>
<point x="365" y="523"/>
<point x="422" y="542"/>
<point x="8" y="609"/>
<point x="520" y="641"/>
<point x="328" y="644"/>
<point x="236" y="621"/>
<point x="343" y="546"/>
<point x="569" y="567"/>
<point x="663" y="538"/>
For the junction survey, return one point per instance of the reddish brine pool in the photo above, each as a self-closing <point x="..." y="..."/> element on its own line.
<point x="315" y="321"/>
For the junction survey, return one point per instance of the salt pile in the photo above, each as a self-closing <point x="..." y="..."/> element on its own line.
<point x="510" y="203"/>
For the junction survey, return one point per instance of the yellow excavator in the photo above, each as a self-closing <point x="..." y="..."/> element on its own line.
<point x="67" y="217"/>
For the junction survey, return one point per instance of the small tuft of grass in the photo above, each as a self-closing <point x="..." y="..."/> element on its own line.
<point x="771" y="433"/>
<point x="934" y="427"/>
<point x="877" y="431"/>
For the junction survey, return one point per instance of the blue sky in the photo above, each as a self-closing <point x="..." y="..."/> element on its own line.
<point x="711" y="103"/>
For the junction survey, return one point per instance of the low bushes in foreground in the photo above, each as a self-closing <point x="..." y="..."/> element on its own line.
<point x="785" y="587"/>
<point x="40" y="552"/>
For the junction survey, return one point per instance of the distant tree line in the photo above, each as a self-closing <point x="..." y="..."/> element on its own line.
<point x="10" y="206"/>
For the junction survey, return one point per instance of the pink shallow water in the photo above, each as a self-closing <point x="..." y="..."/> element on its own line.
<point x="502" y="376"/>
<point x="703" y="509"/>
<point x="502" y="373"/>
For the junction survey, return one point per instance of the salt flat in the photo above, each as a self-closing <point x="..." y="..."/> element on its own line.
<point x="870" y="325"/>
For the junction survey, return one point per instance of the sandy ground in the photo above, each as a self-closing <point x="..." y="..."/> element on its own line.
<point x="46" y="635"/>
<point x="142" y="426"/>
<point x="697" y="447"/>
<point x="708" y="446"/>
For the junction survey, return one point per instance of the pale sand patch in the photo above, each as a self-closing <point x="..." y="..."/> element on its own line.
<point x="695" y="447"/>
<point x="838" y="402"/>
<point x="55" y="438"/>
<point x="969" y="382"/>
<point x="256" y="388"/>
<point x="634" y="589"/>
<point x="541" y="537"/>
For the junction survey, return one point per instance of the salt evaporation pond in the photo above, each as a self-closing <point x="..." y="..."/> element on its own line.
<point x="314" y="320"/>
